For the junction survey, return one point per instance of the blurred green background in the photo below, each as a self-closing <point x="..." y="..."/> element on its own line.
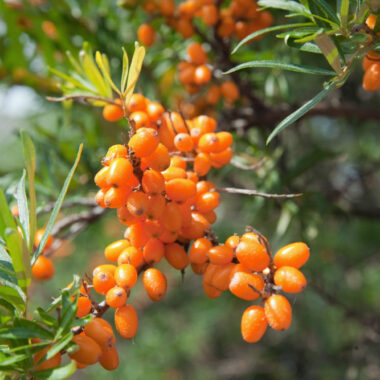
<point x="335" y="162"/>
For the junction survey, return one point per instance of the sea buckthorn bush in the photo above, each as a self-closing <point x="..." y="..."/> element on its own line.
<point x="175" y="224"/>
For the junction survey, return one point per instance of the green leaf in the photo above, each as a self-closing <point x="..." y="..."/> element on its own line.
<point x="7" y="361"/>
<point x="58" y="373"/>
<point x="329" y="50"/>
<point x="124" y="75"/>
<point x="343" y="12"/>
<point x="309" y="47"/>
<point x="60" y="345"/>
<point x="102" y="61"/>
<point x="76" y="82"/>
<point x="69" y="310"/>
<point x="12" y="293"/>
<point x="287" y="5"/>
<point x="24" y="333"/>
<point x="57" y="207"/>
<point x="267" y="30"/>
<point x="29" y="153"/>
<point x="301" y="111"/>
<point x="46" y="318"/>
<point x="323" y="9"/>
<point x="282" y="66"/>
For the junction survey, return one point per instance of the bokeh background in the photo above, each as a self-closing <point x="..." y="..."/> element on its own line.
<point x="334" y="162"/>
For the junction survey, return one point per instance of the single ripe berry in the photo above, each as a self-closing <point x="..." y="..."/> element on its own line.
<point x="153" y="182"/>
<point x="126" y="276"/>
<point x="180" y="189"/>
<point x="120" y="172"/>
<point x="53" y="362"/>
<point x="43" y="268"/>
<point x="371" y="79"/>
<point x="202" y="163"/>
<point x="183" y="142"/>
<point x="101" y="177"/>
<point x="293" y="255"/>
<point x="154" y="251"/>
<point x="253" y="255"/>
<point x="176" y="256"/>
<point x="84" y="306"/>
<point x="38" y="237"/>
<point x="89" y="351"/>
<point x="196" y="53"/>
<point x="113" y="250"/>
<point x="131" y="255"/>
<point x="290" y="279"/>
<point x="109" y="359"/>
<point x="230" y="91"/>
<point x="146" y="35"/>
<point x="144" y="142"/>
<point x="103" y="281"/>
<point x="199" y="250"/>
<point x="112" y="112"/>
<point x="278" y="312"/>
<point x="253" y="324"/>
<point x="155" y="284"/>
<point x="116" y="297"/>
<point x="209" y="143"/>
<point x="202" y="75"/>
<point x="247" y="286"/>
<point x="220" y="254"/>
<point x="126" y="321"/>
<point x="207" y="202"/>
<point x="102" y="335"/>
<point x="209" y="14"/>
<point x="137" y="203"/>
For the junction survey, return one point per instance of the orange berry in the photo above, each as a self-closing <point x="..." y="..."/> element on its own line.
<point x="156" y="207"/>
<point x="253" y="255"/>
<point x="196" y="229"/>
<point x="116" y="197"/>
<point x="89" y="351"/>
<point x="211" y="291"/>
<point x="183" y="142"/>
<point x="211" y="217"/>
<point x="179" y="189"/>
<point x="371" y="78"/>
<point x="101" y="177"/>
<point x="113" y="250"/>
<point x="120" y="172"/>
<point x="205" y="123"/>
<point x="154" y="111"/>
<point x="109" y="268"/>
<point x="84" y="306"/>
<point x="126" y="276"/>
<point x="154" y="251"/>
<point x="196" y="53"/>
<point x="186" y="74"/>
<point x="207" y="202"/>
<point x="253" y="324"/>
<point x="204" y="186"/>
<point x="219" y="276"/>
<point x="173" y="172"/>
<point x="38" y="237"/>
<point x="109" y="359"/>
<point x="209" y="143"/>
<point x="126" y="217"/>
<point x="290" y="279"/>
<point x="113" y="152"/>
<point x="278" y="312"/>
<point x="146" y="35"/>
<point x="230" y="91"/>
<point x="53" y="362"/>
<point x="293" y="255"/>
<point x="137" y="203"/>
<point x="199" y="268"/>
<point x="202" y="164"/>
<point x="209" y="14"/>
<point x="220" y="254"/>
<point x="155" y="284"/>
<point x="131" y="255"/>
<point x="221" y="159"/>
<point x="137" y="103"/>
<point x="244" y="285"/>
<point x="103" y="336"/>
<point x="213" y="94"/>
<point x="172" y="217"/>
<point x="144" y="142"/>
<point x="116" y="297"/>
<point x="199" y="250"/>
<point x="137" y="235"/>
<point x="176" y="256"/>
<point x="153" y="182"/>
<point x="167" y="7"/>
<point x="140" y="119"/>
<point x="112" y="112"/>
<point x="43" y="268"/>
<point x="225" y="140"/>
<point x="178" y="162"/>
<point x="202" y="75"/>
<point x="103" y="281"/>
<point x="233" y="241"/>
<point x="159" y="160"/>
<point x="126" y="321"/>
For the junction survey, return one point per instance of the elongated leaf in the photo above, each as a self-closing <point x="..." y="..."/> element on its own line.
<point x="12" y="293"/>
<point x="310" y="48"/>
<point x="46" y="318"/>
<point x="22" y="333"/>
<point x="282" y="66"/>
<point x="60" y="345"/>
<point x="102" y="61"/>
<point x="22" y="205"/>
<point x="77" y="83"/>
<point x="287" y="5"/>
<point x="58" y="373"/>
<point x="7" y="361"/>
<point x="323" y="9"/>
<point x="330" y="51"/>
<point x="69" y="309"/>
<point x="29" y="153"/>
<point x="343" y="12"/>
<point x="57" y="207"/>
<point x="76" y="65"/>
<point x="301" y="111"/>
<point x="267" y="30"/>
<point x="124" y="75"/>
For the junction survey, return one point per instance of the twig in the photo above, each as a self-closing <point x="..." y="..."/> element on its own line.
<point x="82" y="97"/>
<point x="85" y="202"/>
<point x="234" y="190"/>
<point x="252" y="167"/>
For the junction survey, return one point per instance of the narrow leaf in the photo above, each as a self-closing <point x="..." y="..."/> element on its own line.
<point x="343" y="12"/>
<point x="330" y="51"/>
<point x="124" y="75"/>
<point x="282" y="66"/>
<point x="7" y="361"/>
<point x="22" y="205"/>
<point x="301" y="111"/>
<point x="58" y="373"/>
<point x="101" y="60"/>
<point x="287" y="5"/>
<point x="57" y="207"/>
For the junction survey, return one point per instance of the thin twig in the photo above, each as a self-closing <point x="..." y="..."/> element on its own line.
<point x="234" y="190"/>
<point x="82" y="97"/>
<point x="252" y="167"/>
<point x="85" y="202"/>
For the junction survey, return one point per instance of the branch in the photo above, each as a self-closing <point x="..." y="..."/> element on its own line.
<point x="234" y="190"/>
<point x="85" y="98"/>
<point x="85" y="202"/>
<point x="252" y="167"/>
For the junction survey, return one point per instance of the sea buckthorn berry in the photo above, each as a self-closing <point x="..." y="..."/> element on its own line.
<point x="120" y="172"/>
<point x="113" y="250"/>
<point x="109" y="268"/>
<point x="204" y="186"/>
<point x="199" y="250"/>
<point x="183" y="142"/>
<point x="109" y="359"/>
<point x="126" y="217"/>
<point x="225" y="140"/>
<point x="103" y="281"/>
<point x="230" y="91"/>
<point x="126" y="321"/>
<point x="221" y="159"/>
<point x="144" y="142"/>
<point x="199" y="268"/>
<point x="154" y="111"/>
<point x="155" y="284"/>
<point x="207" y="202"/>
<point x="186" y="74"/>
<point x="253" y="255"/>
<point x="196" y="53"/>
<point x="173" y="172"/>
<point x="213" y="94"/>
<point x="202" y="164"/>
<point x="253" y="324"/>
<point x="211" y="217"/>
<point x="209" y="14"/>
<point x="146" y="35"/>
<point x="89" y="351"/>
<point x="137" y="235"/>
<point x="113" y="152"/>
<point x="172" y="217"/>
<point x="140" y="119"/>
<point x="137" y="103"/>
<point x="180" y="189"/>
<point x="219" y="275"/>
<point x="199" y="224"/>
<point x="126" y="276"/>
<point x="53" y="362"/>
<point x="95" y="330"/>
<point x="131" y="255"/>
<point x="369" y="59"/>
<point x="202" y="75"/>
<point x="206" y="124"/>
<point x="233" y="241"/>
<point x="154" y="228"/>
<point x="220" y="254"/>
<point x="112" y="112"/>
<point x="116" y="297"/>
<point x="371" y="78"/>
<point x="153" y="182"/>
<point x="101" y="177"/>
<point x="176" y="256"/>
<point x="154" y="251"/>
<point x="178" y="162"/>
<point x="246" y="285"/>
<point x="43" y="268"/>
<point x="208" y="143"/>
<point x="192" y="176"/>
<point x="252" y="236"/>
<point x="169" y="236"/>
<point x="159" y="160"/>
<point x="137" y="203"/>
<point x="290" y="279"/>
<point x="116" y="197"/>
<point x="107" y="326"/>
<point x="167" y="7"/>
<point x="38" y="237"/>
<point x="278" y="312"/>
<point x="84" y="306"/>
<point x="211" y="291"/>
<point x="156" y="207"/>
<point x="293" y="255"/>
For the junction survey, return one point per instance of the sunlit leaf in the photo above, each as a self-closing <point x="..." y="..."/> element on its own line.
<point x="102" y="61"/>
